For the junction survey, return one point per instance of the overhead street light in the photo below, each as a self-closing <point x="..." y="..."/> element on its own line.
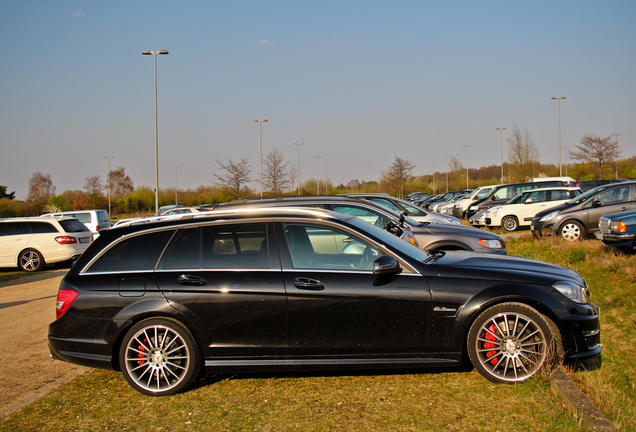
<point x="502" y="173"/>
<point x="300" y="190"/>
<point x="261" y="125"/>
<point x="558" y="99"/>
<point x="154" y="54"/>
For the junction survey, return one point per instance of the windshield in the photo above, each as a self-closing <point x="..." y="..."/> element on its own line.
<point x="520" y="197"/>
<point x="585" y="196"/>
<point x="481" y="193"/>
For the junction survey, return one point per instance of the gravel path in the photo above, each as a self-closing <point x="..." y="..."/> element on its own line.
<point x="27" y="372"/>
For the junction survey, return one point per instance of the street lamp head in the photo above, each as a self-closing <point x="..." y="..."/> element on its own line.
<point x="163" y="52"/>
<point x="146" y="53"/>
<point x="560" y="97"/>
<point x="260" y="121"/>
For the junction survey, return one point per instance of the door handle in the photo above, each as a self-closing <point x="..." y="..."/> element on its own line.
<point x="191" y="280"/>
<point x="308" y="284"/>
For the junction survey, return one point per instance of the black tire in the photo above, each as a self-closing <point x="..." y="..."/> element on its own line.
<point x="31" y="260"/>
<point x="572" y="231"/>
<point x="159" y="357"/>
<point x="510" y="223"/>
<point x="511" y="342"/>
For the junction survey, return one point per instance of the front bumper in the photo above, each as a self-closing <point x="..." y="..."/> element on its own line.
<point x="617" y="240"/>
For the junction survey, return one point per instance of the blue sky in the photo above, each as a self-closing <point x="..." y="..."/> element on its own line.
<point x="358" y="82"/>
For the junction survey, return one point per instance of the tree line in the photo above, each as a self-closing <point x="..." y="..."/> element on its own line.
<point x="595" y="157"/>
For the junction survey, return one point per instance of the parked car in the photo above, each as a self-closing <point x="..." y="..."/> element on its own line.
<point x="95" y="220"/>
<point x="618" y="230"/>
<point x="290" y="288"/>
<point x="579" y="217"/>
<point x="460" y="207"/>
<point x="502" y="193"/>
<point x="414" y="212"/>
<point x="442" y="197"/>
<point x="519" y="211"/>
<point x="31" y="243"/>
<point x="445" y="207"/>
<point x="429" y="236"/>
<point x="415" y="195"/>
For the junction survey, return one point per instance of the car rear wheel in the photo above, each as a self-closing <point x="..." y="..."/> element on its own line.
<point x="159" y="357"/>
<point x="511" y="342"/>
<point x="572" y="231"/>
<point x="510" y="223"/>
<point x="31" y="260"/>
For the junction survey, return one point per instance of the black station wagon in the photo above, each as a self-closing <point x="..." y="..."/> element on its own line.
<point x="289" y="288"/>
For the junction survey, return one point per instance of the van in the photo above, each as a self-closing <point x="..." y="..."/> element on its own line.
<point x="95" y="220"/>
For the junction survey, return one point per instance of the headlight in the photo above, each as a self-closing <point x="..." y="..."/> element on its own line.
<point x="549" y="216"/>
<point x="573" y="291"/>
<point x="495" y="210"/>
<point x="618" y="226"/>
<point x="453" y="221"/>
<point x="493" y="244"/>
<point x="474" y="208"/>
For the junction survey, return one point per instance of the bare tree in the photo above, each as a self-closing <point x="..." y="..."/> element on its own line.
<point x="275" y="177"/>
<point x="235" y="176"/>
<point x="397" y="175"/>
<point x="40" y="187"/>
<point x="523" y="154"/>
<point x="292" y="174"/>
<point x="120" y="183"/>
<point x="456" y="173"/>
<point x="93" y="185"/>
<point x="597" y="151"/>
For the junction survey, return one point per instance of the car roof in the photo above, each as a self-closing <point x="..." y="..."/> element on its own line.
<point x="36" y="219"/>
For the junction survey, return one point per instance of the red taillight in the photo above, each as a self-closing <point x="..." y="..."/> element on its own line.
<point x="64" y="240"/>
<point x="64" y="300"/>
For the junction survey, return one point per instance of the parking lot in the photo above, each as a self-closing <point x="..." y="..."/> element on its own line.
<point x="26" y="370"/>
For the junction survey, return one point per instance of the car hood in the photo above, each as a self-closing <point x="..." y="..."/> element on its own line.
<point x="461" y="264"/>
<point x="552" y="209"/>
<point x="453" y="230"/>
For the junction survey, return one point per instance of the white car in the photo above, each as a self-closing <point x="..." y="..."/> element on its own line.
<point x="412" y="211"/>
<point x="520" y="210"/>
<point x="460" y="207"/>
<point x="94" y="220"/>
<point x="31" y="243"/>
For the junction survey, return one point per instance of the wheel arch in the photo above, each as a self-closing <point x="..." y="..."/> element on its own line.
<point x="145" y="309"/>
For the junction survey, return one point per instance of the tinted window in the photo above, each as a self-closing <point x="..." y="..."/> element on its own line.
<point x="14" y="228"/>
<point x="536" y="197"/>
<point x="185" y="251"/>
<point x="235" y="246"/>
<point x="136" y="253"/>
<point x="71" y="226"/>
<point x="42" y="227"/>
<point x="102" y="216"/>
<point x="319" y="247"/>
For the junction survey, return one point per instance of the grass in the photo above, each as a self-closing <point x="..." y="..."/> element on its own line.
<point x="454" y="401"/>
<point x="423" y="400"/>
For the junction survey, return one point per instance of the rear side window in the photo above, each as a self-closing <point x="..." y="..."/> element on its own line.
<point x="73" y="226"/>
<point x="185" y="251"/>
<point x="42" y="228"/>
<point x="102" y="216"/>
<point x="140" y="252"/>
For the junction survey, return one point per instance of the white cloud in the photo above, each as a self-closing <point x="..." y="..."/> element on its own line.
<point x="265" y="42"/>
<point x="78" y="13"/>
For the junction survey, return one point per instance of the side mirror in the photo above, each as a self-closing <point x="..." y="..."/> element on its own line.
<point x="596" y="203"/>
<point x="528" y="201"/>
<point x="393" y="228"/>
<point x="386" y="265"/>
<point x="402" y="218"/>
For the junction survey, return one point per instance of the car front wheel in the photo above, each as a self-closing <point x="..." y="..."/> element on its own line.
<point x="159" y="357"/>
<point x="31" y="260"/>
<point x="510" y="223"/>
<point x="511" y="342"/>
<point x="572" y="231"/>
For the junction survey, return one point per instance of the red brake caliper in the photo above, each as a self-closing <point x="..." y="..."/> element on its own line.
<point x="487" y="345"/>
<point x="140" y="355"/>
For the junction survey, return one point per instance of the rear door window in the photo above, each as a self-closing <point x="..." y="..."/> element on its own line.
<point x="42" y="228"/>
<point x="235" y="246"/>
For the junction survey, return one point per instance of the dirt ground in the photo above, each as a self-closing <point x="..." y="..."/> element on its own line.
<point x="27" y="372"/>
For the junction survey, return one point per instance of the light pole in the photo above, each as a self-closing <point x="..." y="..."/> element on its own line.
<point x="317" y="174"/>
<point x="434" y="187"/>
<point x="466" y="147"/>
<point x="616" y="162"/>
<point x="447" y="168"/>
<point x="261" y="124"/>
<point x="109" y="158"/>
<point x="502" y="173"/>
<point x="326" y="177"/>
<point x="154" y="54"/>
<point x="176" y="200"/>
<point x="300" y="190"/>
<point x="567" y="162"/>
<point x="558" y="99"/>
